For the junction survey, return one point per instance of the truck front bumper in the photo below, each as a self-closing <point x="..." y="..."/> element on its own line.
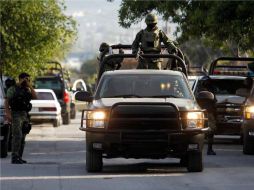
<point x="144" y="144"/>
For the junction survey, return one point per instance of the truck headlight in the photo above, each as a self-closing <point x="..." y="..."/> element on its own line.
<point x="96" y="119"/>
<point x="249" y="112"/>
<point x="195" y="119"/>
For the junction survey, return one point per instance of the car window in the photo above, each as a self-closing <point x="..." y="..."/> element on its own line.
<point x="48" y="84"/>
<point x="191" y="83"/>
<point x="45" y="96"/>
<point x="143" y="86"/>
<point x="223" y="87"/>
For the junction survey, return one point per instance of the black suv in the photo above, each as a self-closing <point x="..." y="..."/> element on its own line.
<point x="143" y="114"/>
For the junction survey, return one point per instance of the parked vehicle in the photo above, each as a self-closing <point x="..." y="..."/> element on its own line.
<point x="4" y="126"/>
<point x="46" y="109"/>
<point x="78" y="85"/>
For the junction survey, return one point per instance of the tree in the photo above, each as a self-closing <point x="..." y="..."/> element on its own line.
<point x="219" y="23"/>
<point x="33" y="32"/>
<point x="89" y="70"/>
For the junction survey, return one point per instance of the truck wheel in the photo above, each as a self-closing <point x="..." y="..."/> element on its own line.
<point x="4" y="149"/>
<point x="10" y="142"/>
<point x="66" y="118"/>
<point x="73" y="112"/>
<point x="195" y="161"/>
<point x="184" y="161"/>
<point x="247" y="143"/>
<point x="56" y="123"/>
<point x="94" y="161"/>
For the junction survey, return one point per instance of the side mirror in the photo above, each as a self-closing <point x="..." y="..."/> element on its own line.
<point x="205" y="99"/>
<point x="83" y="96"/>
<point x="244" y="92"/>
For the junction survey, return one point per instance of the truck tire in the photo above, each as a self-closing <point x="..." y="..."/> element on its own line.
<point x="248" y="144"/>
<point x="4" y="149"/>
<point x="184" y="161"/>
<point x="56" y="123"/>
<point x="94" y="161"/>
<point x="73" y="111"/>
<point x="195" y="161"/>
<point x="66" y="118"/>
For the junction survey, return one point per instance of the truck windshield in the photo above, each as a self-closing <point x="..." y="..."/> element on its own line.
<point x="139" y="86"/>
<point x="48" y="83"/>
<point x="223" y="87"/>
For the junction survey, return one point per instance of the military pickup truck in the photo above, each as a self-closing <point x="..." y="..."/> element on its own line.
<point x="143" y="114"/>
<point x="248" y="119"/>
<point x="226" y="76"/>
<point x="54" y="78"/>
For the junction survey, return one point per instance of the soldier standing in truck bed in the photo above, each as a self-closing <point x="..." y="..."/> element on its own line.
<point x="148" y="41"/>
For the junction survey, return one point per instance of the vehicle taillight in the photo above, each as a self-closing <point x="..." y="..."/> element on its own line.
<point x="47" y="109"/>
<point x="215" y="72"/>
<point x="66" y="98"/>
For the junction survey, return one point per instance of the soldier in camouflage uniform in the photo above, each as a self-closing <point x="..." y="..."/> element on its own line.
<point x="148" y="41"/>
<point x="112" y="64"/>
<point x="17" y="106"/>
<point x="206" y="85"/>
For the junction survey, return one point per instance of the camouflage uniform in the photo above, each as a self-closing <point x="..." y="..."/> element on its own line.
<point x="112" y="64"/>
<point x="18" y="118"/>
<point x="149" y="41"/>
<point x="212" y="126"/>
<point x="206" y="85"/>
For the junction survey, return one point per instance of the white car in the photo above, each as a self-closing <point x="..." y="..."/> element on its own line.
<point x="46" y="108"/>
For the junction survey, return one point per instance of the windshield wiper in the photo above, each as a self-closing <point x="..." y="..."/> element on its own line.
<point x="125" y="96"/>
<point x="163" y="96"/>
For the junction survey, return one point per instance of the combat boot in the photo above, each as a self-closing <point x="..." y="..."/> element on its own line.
<point x="24" y="161"/>
<point x="16" y="160"/>
<point x="210" y="150"/>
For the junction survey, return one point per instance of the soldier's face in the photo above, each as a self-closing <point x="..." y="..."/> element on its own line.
<point x="25" y="81"/>
<point x="151" y="26"/>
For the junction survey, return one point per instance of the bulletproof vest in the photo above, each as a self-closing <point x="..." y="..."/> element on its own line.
<point x="150" y="41"/>
<point x="21" y="100"/>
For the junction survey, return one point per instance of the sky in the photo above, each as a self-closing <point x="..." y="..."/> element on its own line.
<point x="98" y="22"/>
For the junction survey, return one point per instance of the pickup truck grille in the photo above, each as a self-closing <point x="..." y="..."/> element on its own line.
<point x="231" y="113"/>
<point x="144" y="117"/>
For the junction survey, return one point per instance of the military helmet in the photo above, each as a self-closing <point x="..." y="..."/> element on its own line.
<point x="151" y="19"/>
<point x="104" y="46"/>
<point x="9" y="82"/>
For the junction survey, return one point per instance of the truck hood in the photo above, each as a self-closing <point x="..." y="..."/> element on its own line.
<point x="182" y="104"/>
<point x="231" y="99"/>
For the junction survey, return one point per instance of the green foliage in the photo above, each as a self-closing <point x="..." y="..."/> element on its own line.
<point x="218" y="23"/>
<point x="33" y="32"/>
<point x="89" y="70"/>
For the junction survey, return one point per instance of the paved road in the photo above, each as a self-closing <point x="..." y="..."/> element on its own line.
<point x="56" y="159"/>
